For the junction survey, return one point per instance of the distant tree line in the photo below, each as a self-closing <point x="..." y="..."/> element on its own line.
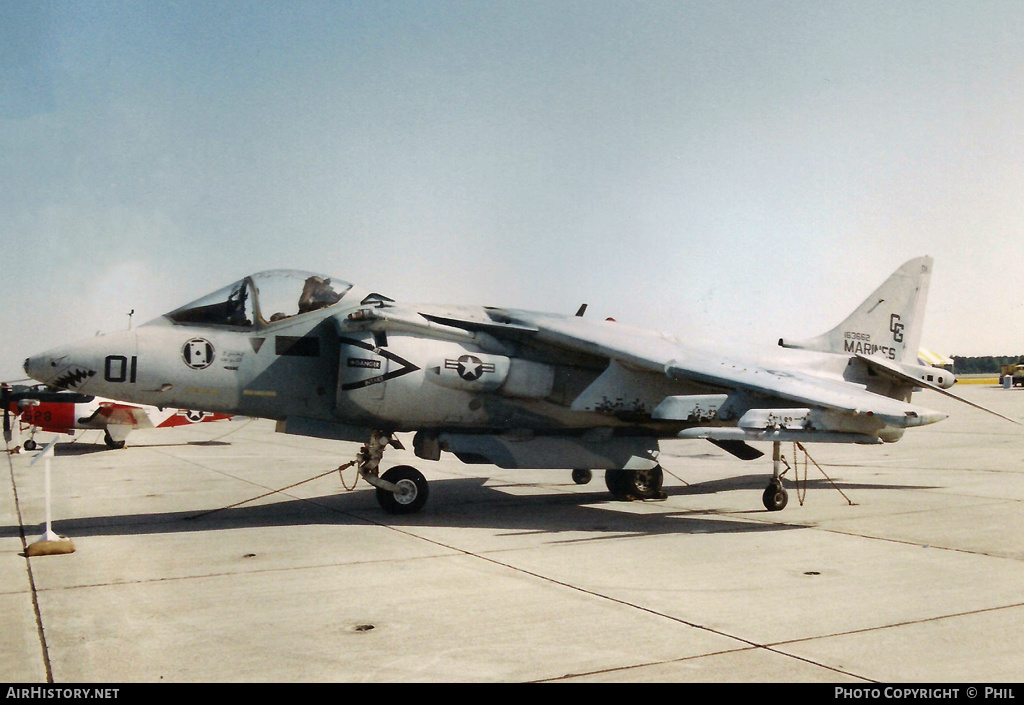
<point x="986" y="364"/>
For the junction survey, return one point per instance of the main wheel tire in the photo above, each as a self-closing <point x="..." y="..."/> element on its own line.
<point x="412" y="490"/>
<point x="30" y="444"/>
<point x="635" y="484"/>
<point x="775" y="497"/>
<point x="646" y="484"/>
<point x="616" y="482"/>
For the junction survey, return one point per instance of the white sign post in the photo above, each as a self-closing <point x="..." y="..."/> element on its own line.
<point x="49" y="543"/>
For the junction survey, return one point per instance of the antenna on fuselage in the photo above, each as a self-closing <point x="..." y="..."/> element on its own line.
<point x="130" y="314"/>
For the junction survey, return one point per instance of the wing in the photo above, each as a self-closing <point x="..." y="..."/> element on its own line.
<point x="115" y="413"/>
<point x="661" y="354"/>
<point x="183" y="417"/>
<point x="740" y="391"/>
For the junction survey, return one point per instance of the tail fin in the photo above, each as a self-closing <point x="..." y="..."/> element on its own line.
<point x="889" y="322"/>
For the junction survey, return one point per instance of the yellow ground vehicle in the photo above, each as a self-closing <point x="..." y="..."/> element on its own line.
<point x="1015" y="371"/>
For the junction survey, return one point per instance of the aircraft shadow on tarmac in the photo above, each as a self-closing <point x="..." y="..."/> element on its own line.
<point x="73" y="448"/>
<point x="463" y="503"/>
<point x="811" y="484"/>
<point x="61" y="449"/>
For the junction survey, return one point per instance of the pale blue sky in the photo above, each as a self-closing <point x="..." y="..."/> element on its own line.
<point x="744" y="170"/>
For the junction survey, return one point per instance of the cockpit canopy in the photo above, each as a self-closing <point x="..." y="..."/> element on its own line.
<point x="263" y="298"/>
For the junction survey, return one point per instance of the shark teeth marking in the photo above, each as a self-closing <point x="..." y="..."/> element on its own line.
<point x="72" y="378"/>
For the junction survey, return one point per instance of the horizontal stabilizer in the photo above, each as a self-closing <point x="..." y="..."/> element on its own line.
<point x="886" y="367"/>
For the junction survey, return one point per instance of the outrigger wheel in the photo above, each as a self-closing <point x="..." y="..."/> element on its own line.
<point x="775" y="496"/>
<point x="635" y="484"/>
<point x="411" y="494"/>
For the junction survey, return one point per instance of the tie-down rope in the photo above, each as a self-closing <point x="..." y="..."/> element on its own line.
<point x="801" y="492"/>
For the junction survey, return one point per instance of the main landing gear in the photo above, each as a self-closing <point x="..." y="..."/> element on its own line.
<point x="400" y="490"/>
<point x="404" y="490"/>
<point x="112" y="442"/>
<point x="635" y="484"/>
<point x="646" y="484"/>
<point x="628" y="484"/>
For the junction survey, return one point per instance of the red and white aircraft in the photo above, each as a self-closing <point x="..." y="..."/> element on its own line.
<point x="67" y="412"/>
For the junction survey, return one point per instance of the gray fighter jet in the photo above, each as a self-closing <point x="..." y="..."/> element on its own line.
<point x="512" y="388"/>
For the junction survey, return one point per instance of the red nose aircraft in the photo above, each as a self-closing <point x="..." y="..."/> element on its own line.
<point x="39" y="409"/>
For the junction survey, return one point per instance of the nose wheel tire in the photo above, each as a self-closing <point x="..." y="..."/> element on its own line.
<point x="775" y="496"/>
<point x="411" y="494"/>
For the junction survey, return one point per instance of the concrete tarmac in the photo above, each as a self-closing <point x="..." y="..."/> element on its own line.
<point x="901" y="563"/>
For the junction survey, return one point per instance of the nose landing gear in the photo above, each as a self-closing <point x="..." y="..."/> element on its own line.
<point x="400" y="490"/>
<point x="410" y="492"/>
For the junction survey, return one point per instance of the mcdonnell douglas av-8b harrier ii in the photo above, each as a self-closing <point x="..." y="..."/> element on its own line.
<point x="512" y="388"/>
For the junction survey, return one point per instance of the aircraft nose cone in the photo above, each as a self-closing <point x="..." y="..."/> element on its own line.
<point x="33" y="368"/>
<point x="47" y="367"/>
<point x="84" y="365"/>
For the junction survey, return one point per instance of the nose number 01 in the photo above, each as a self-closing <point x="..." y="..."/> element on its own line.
<point x="118" y="368"/>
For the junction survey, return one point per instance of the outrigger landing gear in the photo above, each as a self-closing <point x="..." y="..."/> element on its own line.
<point x="635" y="484"/>
<point x="400" y="490"/>
<point x="775" y="496"/>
